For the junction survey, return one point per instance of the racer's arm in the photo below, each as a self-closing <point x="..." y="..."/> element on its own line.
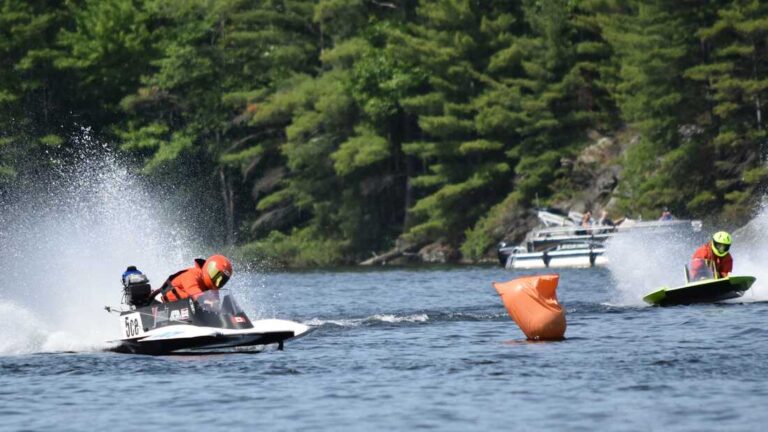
<point x="726" y="267"/>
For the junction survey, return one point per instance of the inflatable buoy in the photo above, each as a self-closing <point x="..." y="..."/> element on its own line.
<point x="532" y="303"/>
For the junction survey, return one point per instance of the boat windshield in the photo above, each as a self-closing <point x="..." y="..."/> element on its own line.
<point x="700" y="269"/>
<point x="218" y="301"/>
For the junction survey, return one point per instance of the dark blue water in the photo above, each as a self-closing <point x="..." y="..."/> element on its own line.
<point x="409" y="349"/>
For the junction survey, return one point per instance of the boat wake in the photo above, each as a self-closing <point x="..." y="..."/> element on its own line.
<point x="368" y="321"/>
<point x="489" y="313"/>
<point x="22" y="332"/>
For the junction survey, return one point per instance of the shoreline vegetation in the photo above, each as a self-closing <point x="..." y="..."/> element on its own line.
<point x="337" y="132"/>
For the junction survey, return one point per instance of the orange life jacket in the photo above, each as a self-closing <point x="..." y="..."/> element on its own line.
<point x="186" y="283"/>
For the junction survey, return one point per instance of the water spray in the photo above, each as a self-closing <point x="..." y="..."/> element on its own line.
<point x="63" y="248"/>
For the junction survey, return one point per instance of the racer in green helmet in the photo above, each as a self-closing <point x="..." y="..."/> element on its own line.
<point x="714" y="255"/>
<point x="721" y="242"/>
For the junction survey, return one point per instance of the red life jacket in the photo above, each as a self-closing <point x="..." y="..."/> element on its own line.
<point x="723" y="265"/>
<point x="186" y="283"/>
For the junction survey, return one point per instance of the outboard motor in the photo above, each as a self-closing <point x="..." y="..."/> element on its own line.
<point x="136" y="287"/>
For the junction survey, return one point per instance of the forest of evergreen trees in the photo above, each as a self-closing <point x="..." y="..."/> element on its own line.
<point x="322" y="130"/>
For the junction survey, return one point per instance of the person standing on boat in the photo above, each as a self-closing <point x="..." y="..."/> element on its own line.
<point x="713" y="255"/>
<point x="586" y="222"/>
<point x="204" y="275"/>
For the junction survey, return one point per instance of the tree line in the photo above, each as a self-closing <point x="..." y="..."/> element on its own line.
<point x="321" y="130"/>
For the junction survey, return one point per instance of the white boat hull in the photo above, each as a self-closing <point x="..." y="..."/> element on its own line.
<point x="557" y="259"/>
<point x="211" y="321"/>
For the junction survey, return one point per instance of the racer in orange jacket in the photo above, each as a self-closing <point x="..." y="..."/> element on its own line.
<point x="713" y="255"/>
<point x="205" y="275"/>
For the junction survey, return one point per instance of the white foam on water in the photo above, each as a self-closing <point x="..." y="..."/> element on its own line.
<point x="356" y="322"/>
<point x="641" y="262"/>
<point x="750" y="254"/>
<point x="317" y="322"/>
<point x="388" y="318"/>
<point x="62" y="251"/>
<point x="22" y="332"/>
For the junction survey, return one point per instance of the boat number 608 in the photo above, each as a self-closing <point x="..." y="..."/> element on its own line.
<point x="131" y="326"/>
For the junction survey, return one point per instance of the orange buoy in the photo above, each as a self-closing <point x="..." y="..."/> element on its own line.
<point x="532" y="303"/>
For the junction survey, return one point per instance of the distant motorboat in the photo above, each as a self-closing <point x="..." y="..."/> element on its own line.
<point x="562" y="242"/>
<point x="565" y="254"/>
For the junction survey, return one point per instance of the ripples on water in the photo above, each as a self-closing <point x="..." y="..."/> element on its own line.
<point x="421" y="349"/>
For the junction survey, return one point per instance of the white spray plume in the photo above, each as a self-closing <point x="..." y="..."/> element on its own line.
<point x="62" y="251"/>
<point x="642" y="261"/>
<point x="750" y="254"/>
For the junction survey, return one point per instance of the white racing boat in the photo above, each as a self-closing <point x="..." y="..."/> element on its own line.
<point x="213" y="321"/>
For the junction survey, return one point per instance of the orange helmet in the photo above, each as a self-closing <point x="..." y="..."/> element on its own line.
<point x="216" y="271"/>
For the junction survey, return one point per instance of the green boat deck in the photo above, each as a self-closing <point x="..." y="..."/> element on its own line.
<point x="702" y="291"/>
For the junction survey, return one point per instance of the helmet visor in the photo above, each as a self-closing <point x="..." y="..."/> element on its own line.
<point x="721" y="247"/>
<point x="219" y="279"/>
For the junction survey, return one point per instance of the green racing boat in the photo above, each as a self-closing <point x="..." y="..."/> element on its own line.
<point x="701" y="291"/>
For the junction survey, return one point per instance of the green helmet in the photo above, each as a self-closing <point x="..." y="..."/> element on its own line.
<point x="721" y="242"/>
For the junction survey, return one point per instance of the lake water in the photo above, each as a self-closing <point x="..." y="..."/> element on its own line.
<point x="409" y="349"/>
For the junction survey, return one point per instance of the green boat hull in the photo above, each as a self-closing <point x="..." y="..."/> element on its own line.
<point x="703" y="291"/>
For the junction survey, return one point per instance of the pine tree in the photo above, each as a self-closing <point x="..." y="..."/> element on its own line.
<point x="654" y="44"/>
<point x="33" y="94"/>
<point x="341" y="189"/>
<point x="212" y="59"/>
<point x="461" y="170"/>
<point x="548" y="76"/>
<point x="736" y="76"/>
